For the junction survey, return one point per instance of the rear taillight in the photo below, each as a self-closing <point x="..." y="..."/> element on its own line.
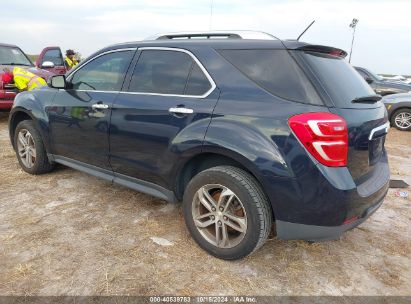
<point x="324" y="135"/>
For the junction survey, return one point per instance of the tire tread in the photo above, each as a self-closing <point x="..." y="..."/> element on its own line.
<point x="259" y="198"/>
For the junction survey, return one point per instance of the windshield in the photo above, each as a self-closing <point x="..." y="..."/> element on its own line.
<point x="378" y="77"/>
<point x="13" y="56"/>
<point x="341" y="81"/>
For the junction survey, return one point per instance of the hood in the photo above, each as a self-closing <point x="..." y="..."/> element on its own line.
<point x="39" y="72"/>
<point x="43" y="73"/>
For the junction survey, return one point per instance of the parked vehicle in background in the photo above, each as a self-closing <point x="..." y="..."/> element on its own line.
<point x="12" y="56"/>
<point x="382" y="86"/>
<point x="52" y="54"/>
<point x="397" y="78"/>
<point x="399" y="110"/>
<point x="246" y="132"/>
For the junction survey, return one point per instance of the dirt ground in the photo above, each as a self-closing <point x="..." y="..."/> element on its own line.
<point x="67" y="233"/>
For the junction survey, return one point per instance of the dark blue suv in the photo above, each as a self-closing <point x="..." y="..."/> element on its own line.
<point x="250" y="134"/>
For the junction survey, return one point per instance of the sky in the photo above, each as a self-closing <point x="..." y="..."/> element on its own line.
<point x="382" y="39"/>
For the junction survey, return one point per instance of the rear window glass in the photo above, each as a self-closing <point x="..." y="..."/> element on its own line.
<point x="341" y="81"/>
<point x="276" y="72"/>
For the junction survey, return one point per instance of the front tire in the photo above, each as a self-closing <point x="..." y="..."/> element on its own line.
<point x="401" y="119"/>
<point x="31" y="154"/>
<point x="226" y="212"/>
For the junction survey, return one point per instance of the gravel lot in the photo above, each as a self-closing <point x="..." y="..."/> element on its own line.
<point x="67" y="233"/>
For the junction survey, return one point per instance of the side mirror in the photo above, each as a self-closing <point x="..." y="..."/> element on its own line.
<point x="369" y="80"/>
<point x="47" y="65"/>
<point x="57" y="82"/>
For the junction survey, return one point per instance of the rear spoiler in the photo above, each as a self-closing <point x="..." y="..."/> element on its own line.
<point x="323" y="49"/>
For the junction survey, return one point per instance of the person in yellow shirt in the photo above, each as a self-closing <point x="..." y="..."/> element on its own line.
<point x="25" y="80"/>
<point x="70" y="61"/>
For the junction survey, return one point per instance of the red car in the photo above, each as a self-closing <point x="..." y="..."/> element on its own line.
<point x="51" y="54"/>
<point x="50" y="62"/>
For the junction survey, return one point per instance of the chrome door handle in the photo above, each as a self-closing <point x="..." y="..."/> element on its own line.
<point x="99" y="106"/>
<point x="181" y="110"/>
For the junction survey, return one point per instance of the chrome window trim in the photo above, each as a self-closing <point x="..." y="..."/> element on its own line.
<point x="93" y="91"/>
<point x="203" y="69"/>
<point x="170" y="95"/>
<point x="81" y="65"/>
<point x="385" y="126"/>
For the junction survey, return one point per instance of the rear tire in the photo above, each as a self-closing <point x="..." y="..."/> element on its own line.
<point x="30" y="151"/>
<point x="226" y="212"/>
<point x="401" y="119"/>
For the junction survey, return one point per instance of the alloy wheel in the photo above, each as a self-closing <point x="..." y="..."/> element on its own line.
<point x="26" y="148"/>
<point x="403" y="120"/>
<point x="219" y="216"/>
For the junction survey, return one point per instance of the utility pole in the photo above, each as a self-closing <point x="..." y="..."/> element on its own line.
<point x="211" y="13"/>
<point x="353" y="25"/>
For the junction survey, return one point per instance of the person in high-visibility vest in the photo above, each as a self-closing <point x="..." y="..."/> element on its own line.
<point x="25" y="80"/>
<point x="70" y="61"/>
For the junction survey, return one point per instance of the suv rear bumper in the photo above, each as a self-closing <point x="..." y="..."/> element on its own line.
<point x="295" y="231"/>
<point x="325" y="202"/>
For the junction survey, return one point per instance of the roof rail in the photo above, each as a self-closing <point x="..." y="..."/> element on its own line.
<point x="214" y="35"/>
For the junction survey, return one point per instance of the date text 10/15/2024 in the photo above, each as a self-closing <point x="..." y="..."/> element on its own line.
<point x="202" y="299"/>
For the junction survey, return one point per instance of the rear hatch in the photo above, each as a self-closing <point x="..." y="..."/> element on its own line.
<point x="350" y="97"/>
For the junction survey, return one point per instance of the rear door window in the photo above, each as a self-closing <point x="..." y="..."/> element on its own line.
<point x="168" y="72"/>
<point x="341" y="81"/>
<point x="276" y="72"/>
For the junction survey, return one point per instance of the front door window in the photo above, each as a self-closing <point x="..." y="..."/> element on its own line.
<point x="105" y="73"/>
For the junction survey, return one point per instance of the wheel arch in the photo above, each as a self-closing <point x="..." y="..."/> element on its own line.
<point x="211" y="158"/>
<point x="16" y="116"/>
<point x="400" y="107"/>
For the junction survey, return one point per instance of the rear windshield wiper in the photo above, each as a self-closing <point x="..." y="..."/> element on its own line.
<point x="367" y="99"/>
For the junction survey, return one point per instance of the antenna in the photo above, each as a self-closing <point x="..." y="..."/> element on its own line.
<point x="305" y="30"/>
